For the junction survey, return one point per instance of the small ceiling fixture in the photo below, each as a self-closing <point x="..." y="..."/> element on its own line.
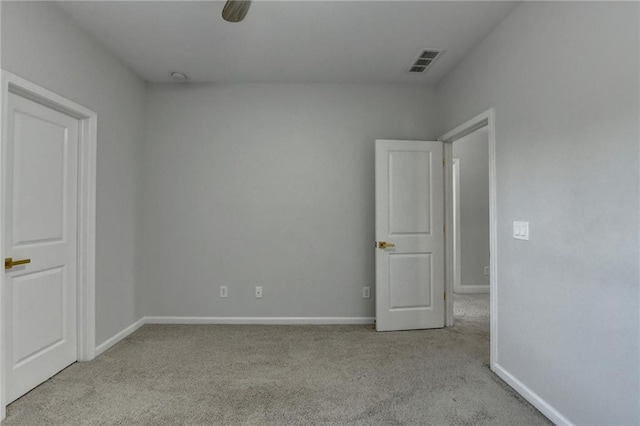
<point x="235" y="10"/>
<point x="179" y="77"/>
<point x="426" y="57"/>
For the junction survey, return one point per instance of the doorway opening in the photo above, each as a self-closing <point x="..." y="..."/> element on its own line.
<point x="470" y="214"/>
<point x="470" y="178"/>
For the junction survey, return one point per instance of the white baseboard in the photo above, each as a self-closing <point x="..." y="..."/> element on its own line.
<point x="119" y="336"/>
<point x="543" y="406"/>
<point x="471" y="289"/>
<point x="261" y="320"/>
<point x="231" y="320"/>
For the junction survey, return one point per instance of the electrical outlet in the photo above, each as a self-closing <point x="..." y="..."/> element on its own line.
<point x="366" y="292"/>
<point x="258" y="292"/>
<point x="223" y="291"/>
<point x="486" y="270"/>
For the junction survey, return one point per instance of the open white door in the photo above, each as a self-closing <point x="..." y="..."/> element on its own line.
<point x="409" y="235"/>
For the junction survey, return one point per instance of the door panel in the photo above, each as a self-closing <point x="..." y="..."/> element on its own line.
<point x="409" y="192"/>
<point x="405" y="270"/>
<point x="39" y="292"/>
<point x="40" y="166"/>
<point x="410" y="216"/>
<point x="38" y="198"/>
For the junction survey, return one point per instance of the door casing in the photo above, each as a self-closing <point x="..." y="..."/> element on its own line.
<point x="455" y="228"/>
<point x="487" y="118"/>
<point x="87" y="150"/>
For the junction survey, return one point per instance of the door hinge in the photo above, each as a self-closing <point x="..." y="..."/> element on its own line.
<point x="445" y="296"/>
<point x="443" y="162"/>
<point x="444" y="229"/>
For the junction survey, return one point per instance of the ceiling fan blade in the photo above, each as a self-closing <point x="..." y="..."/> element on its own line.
<point x="235" y="10"/>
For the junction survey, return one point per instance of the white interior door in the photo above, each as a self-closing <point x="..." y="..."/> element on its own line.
<point x="39" y="199"/>
<point x="409" y="235"/>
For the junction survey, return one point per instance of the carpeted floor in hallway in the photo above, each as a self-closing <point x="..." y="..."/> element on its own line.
<point x="471" y="305"/>
<point x="283" y="375"/>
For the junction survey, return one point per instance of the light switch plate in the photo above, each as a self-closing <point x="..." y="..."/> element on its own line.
<point x="521" y="230"/>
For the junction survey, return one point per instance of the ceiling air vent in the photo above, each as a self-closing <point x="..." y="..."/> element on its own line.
<point x="425" y="58"/>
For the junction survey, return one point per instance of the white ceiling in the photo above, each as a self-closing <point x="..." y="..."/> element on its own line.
<point x="288" y="41"/>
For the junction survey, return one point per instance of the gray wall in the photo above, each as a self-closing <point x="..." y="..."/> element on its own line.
<point x="40" y="44"/>
<point x="273" y="185"/>
<point x="563" y="78"/>
<point x="270" y="185"/>
<point x="473" y="153"/>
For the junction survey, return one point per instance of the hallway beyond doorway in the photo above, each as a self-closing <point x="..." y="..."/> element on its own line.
<point x="471" y="305"/>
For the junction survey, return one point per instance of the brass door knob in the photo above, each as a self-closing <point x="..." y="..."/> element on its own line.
<point x="384" y="245"/>
<point x="10" y="263"/>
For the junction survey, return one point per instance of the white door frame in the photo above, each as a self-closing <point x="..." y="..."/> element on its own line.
<point x="87" y="149"/>
<point x="455" y="223"/>
<point x="486" y="118"/>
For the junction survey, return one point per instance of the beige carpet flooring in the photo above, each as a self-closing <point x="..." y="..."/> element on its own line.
<point x="471" y="305"/>
<point x="282" y="375"/>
